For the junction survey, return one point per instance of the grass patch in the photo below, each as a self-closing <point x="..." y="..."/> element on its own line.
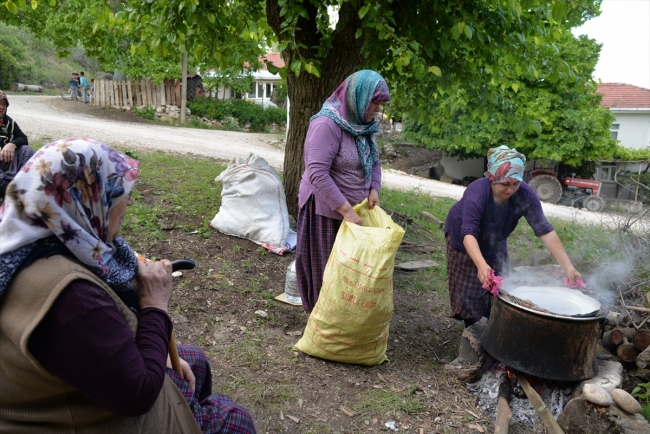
<point x="384" y="401"/>
<point x="188" y="190"/>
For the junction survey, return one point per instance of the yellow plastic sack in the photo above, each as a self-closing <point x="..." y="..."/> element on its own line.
<point x="350" y="321"/>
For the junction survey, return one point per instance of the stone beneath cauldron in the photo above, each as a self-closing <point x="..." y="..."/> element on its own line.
<point x="609" y="377"/>
<point x="582" y="417"/>
<point x="472" y="360"/>
<point x="597" y="395"/>
<point x="626" y="401"/>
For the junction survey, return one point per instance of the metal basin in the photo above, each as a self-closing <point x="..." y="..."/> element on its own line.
<point x="544" y="345"/>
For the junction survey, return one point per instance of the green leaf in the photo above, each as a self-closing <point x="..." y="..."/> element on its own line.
<point x="295" y="67"/>
<point x="435" y="70"/>
<point x="468" y="32"/>
<point x="514" y="87"/>
<point x="358" y="33"/>
<point x="363" y="11"/>
<point x="212" y="18"/>
<point x="537" y="127"/>
<point x="34" y="4"/>
<point x="310" y="68"/>
<point x="484" y="117"/>
<point x="12" y="7"/>
<point x="22" y="5"/>
<point x="559" y="10"/>
<point x="526" y="4"/>
<point x="52" y="3"/>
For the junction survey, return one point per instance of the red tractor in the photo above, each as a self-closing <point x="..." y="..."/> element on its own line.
<point x="568" y="191"/>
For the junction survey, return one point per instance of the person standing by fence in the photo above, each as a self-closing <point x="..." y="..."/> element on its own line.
<point x="83" y="82"/>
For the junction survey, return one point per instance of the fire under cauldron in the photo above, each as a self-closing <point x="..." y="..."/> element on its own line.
<point x="556" y="346"/>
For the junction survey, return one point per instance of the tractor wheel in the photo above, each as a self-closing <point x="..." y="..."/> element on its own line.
<point x="547" y="187"/>
<point x="594" y="203"/>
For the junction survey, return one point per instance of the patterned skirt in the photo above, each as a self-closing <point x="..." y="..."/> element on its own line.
<point x="214" y="413"/>
<point x="316" y="235"/>
<point x="469" y="301"/>
<point x="9" y="169"/>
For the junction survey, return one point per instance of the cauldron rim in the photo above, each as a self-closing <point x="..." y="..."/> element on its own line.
<point x="552" y="315"/>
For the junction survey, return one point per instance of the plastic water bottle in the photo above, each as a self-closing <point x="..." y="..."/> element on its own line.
<point x="291" y="293"/>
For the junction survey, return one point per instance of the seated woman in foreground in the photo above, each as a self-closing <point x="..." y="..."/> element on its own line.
<point x="14" y="149"/>
<point x="82" y="351"/>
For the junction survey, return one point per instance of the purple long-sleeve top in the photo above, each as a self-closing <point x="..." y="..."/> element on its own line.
<point x="333" y="172"/>
<point x="476" y="214"/>
<point x="85" y="341"/>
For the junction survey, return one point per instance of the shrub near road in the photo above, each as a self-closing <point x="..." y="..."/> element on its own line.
<point x="244" y="111"/>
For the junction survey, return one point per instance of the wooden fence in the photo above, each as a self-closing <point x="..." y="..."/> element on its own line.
<point x="136" y="93"/>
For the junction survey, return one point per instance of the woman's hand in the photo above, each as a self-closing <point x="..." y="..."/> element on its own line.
<point x="188" y="375"/>
<point x="8" y="152"/>
<point x="484" y="274"/>
<point x="573" y="274"/>
<point x="373" y="198"/>
<point x="349" y="214"/>
<point x="154" y="284"/>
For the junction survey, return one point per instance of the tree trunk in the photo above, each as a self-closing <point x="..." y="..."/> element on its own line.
<point x="307" y="93"/>
<point x="626" y="351"/>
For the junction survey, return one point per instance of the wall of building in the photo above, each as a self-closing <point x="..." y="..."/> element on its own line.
<point x="634" y="129"/>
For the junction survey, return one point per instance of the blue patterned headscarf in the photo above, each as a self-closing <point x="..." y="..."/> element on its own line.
<point x="505" y="165"/>
<point x="348" y="108"/>
<point x="60" y="202"/>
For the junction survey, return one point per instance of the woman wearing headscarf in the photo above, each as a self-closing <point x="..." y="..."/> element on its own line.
<point x="14" y="149"/>
<point x="81" y="350"/>
<point x="477" y="230"/>
<point x="341" y="170"/>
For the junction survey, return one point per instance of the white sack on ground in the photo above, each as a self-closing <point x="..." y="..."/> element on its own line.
<point x="253" y="205"/>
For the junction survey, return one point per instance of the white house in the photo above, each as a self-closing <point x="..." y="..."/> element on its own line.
<point x="264" y="84"/>
<point x="631" y="107"/>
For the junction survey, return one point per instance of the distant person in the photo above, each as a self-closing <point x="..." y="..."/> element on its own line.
<point x="83" y="83"/>
<point x="342" y="169"/>
<point x="14" y="149"/>
<point x="74" y="85"/>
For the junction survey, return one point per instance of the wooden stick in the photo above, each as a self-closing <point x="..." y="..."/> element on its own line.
<point x="538" y="404"/>
<point x="638" y="309"/>
<point x="504" y="414"/>
<point x="174" y="357"/>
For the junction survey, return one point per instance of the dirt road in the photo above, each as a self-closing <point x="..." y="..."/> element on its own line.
<point x="39" y="121"/>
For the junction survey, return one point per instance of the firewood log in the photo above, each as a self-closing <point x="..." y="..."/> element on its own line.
<point x="641" y="339"/>
<point x="626" y="351"/>
<point x="614" y="337"/>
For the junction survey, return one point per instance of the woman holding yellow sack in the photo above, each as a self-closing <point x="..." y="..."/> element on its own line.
<point x="341" y="170"/>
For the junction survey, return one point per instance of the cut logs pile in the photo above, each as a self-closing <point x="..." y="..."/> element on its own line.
<point x="630" y="342"/>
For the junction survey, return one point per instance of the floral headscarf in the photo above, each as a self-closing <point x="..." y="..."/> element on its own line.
<point x="348" y="108"/>
<point x="62" y="197"/>
<point x="505" y="165"/>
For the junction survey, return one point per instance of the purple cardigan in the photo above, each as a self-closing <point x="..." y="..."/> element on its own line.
<point x="85" y="341"/>
<point x="477" y="214"/>
<point x="333" y="172"/>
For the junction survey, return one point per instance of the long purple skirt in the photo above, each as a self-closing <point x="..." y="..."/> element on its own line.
<point x="469" y="301"/>
<point x="214" y="413"/>
<point x="316" y="235"/>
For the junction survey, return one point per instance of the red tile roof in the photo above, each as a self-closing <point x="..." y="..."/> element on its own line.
<point x="274" y="58"/>
<point x="619" y="95"/>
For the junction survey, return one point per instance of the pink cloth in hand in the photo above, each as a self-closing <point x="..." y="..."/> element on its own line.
<point x="576" y="283"/>
<point x="493" y="284"/>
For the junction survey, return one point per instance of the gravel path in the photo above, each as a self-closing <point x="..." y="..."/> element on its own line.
<point x="39" y="121"/>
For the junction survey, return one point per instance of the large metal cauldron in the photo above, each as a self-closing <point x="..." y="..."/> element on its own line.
<point x="541" y="344"/>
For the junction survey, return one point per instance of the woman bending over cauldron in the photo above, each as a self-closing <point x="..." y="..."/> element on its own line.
<point x="80" y="350"/>
<point x="477" y="230"/>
